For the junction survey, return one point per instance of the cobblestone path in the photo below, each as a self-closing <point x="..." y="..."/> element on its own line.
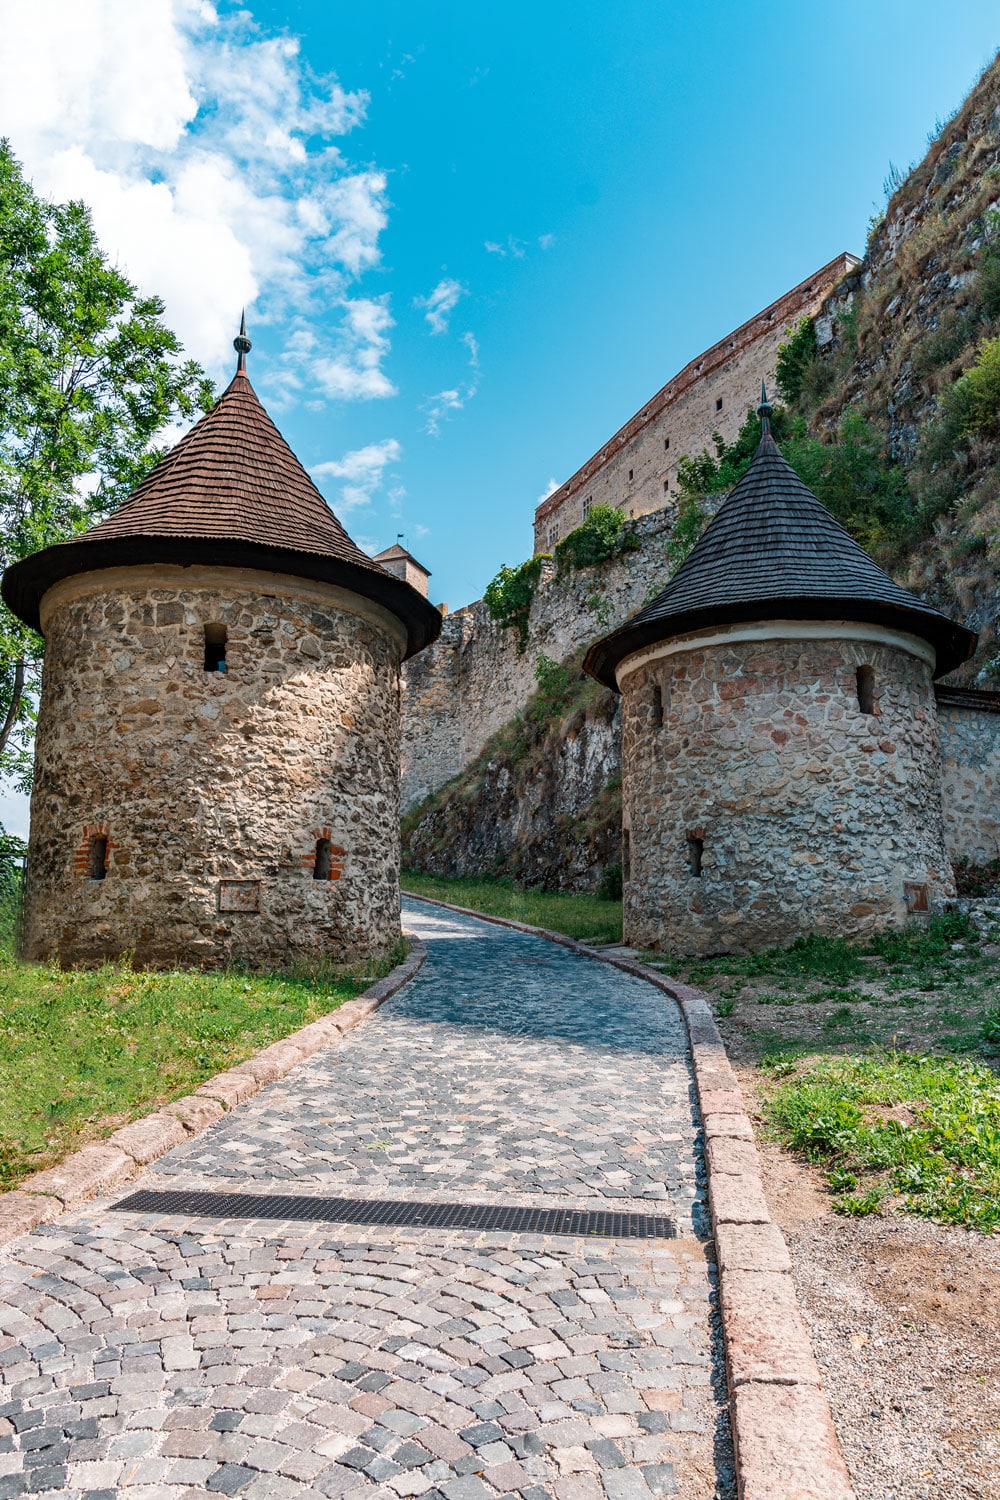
<point x="164" y="1358"/>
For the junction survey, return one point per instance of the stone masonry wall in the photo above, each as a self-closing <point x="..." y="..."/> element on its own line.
<point x="212" y="788"/>
<point x="812" y="814"/>
<point x="475" y="679"/>
<point x="637" y="468"/>
<point x="970" y="761"/>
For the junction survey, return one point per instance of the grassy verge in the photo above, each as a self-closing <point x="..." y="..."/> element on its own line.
<point x="82" y="1052"/>
<point x="878" y="1061"/>
<point x="587" y="918"/>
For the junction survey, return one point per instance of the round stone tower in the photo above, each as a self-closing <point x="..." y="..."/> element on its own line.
<point x="780" y="763"/>
<point x="217" y="755"/>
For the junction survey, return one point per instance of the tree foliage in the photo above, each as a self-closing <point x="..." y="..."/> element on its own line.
<point x="853" y="477"/>
<point x="605" y="533"/>
<point x="795" y="356"/>
<point x="90" y="379"/>
<point x="508" y="596"/>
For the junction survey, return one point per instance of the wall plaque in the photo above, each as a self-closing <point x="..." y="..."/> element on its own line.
<point x="239" y="895"/>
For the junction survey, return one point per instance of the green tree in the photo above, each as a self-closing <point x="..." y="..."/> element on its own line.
<point x="795" y="356"/>
<point x="90" y="378"/>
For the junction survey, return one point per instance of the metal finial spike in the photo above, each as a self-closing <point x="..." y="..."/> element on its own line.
<point x="242" y="344"/>
<point x="764" y="410"/>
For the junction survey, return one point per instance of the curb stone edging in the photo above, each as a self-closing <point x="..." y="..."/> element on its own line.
<point x="105" y="1166"/>
<point x="786" y="1445"/>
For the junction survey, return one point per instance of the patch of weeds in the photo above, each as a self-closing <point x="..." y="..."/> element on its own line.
<point x="924" y="1130"/>
<point x="725" y="1007"/>
<point x="858" y="1205"/>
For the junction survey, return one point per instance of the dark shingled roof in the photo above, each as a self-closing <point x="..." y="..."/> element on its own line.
<point x="230" y="493"/>
<point x="773" y="551"/>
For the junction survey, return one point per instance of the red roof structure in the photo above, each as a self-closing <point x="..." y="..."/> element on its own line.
<point x="230" y="493"/>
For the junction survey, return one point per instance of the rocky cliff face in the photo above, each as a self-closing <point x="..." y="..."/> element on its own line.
<point x="541" y="803"/>
<point x="897" y="336"/>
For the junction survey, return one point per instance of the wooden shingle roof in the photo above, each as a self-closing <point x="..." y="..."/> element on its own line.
<point x="773" y="551"/>
<point x="230" y="493"/>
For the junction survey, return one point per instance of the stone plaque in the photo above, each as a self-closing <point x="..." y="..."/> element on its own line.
<point x="239" y="895"/>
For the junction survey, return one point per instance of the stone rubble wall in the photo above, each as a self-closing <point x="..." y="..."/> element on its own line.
<point x="812" y="814"/>
<point x="970" y="760"/>
<point x="459" y="692"/>
<point x="198" y="778"/>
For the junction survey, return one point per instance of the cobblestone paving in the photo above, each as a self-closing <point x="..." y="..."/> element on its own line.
<point x="166" y="1358"/>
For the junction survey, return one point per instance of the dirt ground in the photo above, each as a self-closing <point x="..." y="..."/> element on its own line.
<point x="905" y="1321"/>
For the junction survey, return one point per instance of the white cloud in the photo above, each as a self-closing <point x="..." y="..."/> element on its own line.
<point x="549" y="489"/>
<point x="440" y="303"/>
<point x="546" y="241"/>
<point x="363" y="469"/>
<point x="510" y="246"/>
<point x="346" y="363"/>
<point x="443" y="405"/>
<point x="205" y="148"/>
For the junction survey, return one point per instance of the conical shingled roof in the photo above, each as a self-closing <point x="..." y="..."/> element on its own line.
<point x="773" y="551"/>
<point x="230" y="493"/>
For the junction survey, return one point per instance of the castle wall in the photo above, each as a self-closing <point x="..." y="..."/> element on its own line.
<point x="213" y="788"/>
<point x="474" y="679"/>
<point x="811" y="815"/>
<point x="969" y="727"/>
<point x="637" y="468"/>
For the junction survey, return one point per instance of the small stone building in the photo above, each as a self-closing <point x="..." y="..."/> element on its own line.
<point x="217" y="755"/>
<point x="402" y="564"/>
<point x="780" y="762"/>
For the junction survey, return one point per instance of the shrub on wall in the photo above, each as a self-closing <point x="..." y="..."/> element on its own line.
<point x="795" y="356"/>
<point x="604" y="534"/>
<point x="508" y="596"/>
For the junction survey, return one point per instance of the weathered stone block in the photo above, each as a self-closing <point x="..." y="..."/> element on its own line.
<point x="194" y="1113"/>
<point x="737" y="1199"/>
<point x="786" y="1447"/>
<point x="766" y="1338"/>
<point x="145" y="1140"/>
<point x="85" y="1174"/>
<point x="751" y="1247"/>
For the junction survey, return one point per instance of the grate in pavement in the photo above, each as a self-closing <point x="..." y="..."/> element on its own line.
<point x="387" y="1212"/>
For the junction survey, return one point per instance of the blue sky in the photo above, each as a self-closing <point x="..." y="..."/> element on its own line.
<point x="473" y="240"/>
<point x="652" y="174"/>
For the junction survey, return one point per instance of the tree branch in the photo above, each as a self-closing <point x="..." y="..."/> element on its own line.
<point x="16" y="694"/>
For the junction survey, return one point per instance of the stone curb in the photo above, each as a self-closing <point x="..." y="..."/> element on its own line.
<point x="786" y="1445"/>
<point x="105" y="1166"/>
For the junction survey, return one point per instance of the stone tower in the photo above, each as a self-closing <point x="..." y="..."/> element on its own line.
<point x="217" y="755"/>
<point x="780" y="761"/>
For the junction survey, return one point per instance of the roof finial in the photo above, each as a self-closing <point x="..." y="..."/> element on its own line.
<point x="764" y="410"/>
<point x="242" y="344"/>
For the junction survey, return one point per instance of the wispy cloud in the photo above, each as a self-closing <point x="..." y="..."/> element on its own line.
<point x="345" y="361"/>
<point x="549" y="489"/>
<point x="516" y="248"/>
<point x="444" y="404"/>
<point x="208" y="151"/>
<point x="363" y="470"/>
<point x="439" y="304"/>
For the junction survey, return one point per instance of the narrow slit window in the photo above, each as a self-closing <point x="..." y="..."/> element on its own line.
<point x="321" y="863"/>
<point x="215" y="648"/>
<point x="696" y="849"/>
<point x="666" y="486"/>
<point x="657" y="706"/>
<point x="666" y="444"/>
<point x="97" y="866"/>
<point x="631" y="473"/>
<point x="866" y="689"/>
<point x="718" y="403"/>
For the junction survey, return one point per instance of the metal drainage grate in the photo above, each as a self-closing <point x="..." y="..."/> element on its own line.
<point x="482" y="1216"/>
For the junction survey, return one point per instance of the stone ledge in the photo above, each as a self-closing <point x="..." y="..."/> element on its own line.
<point x="146" y="1139"/>
<point x="101" y="1168"/>
<point x="85" y="1174"/>
<point x="786" y="1446"/>
<point x="766" y="1339"/>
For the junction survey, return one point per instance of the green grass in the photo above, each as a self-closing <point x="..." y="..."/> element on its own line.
<point x="587" y="918"/>
<point x="84" y="1051"/>
<point x="844" y="1033"/>
<point x="937" y="1154"/>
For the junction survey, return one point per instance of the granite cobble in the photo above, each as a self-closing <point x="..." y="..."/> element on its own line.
<point x="164" y="1358"/>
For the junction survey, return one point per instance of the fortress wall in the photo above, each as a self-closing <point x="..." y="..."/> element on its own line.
<point x="472" y="681"/>
<point x="969" y="728"/>
<point x="680" y="419"/>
